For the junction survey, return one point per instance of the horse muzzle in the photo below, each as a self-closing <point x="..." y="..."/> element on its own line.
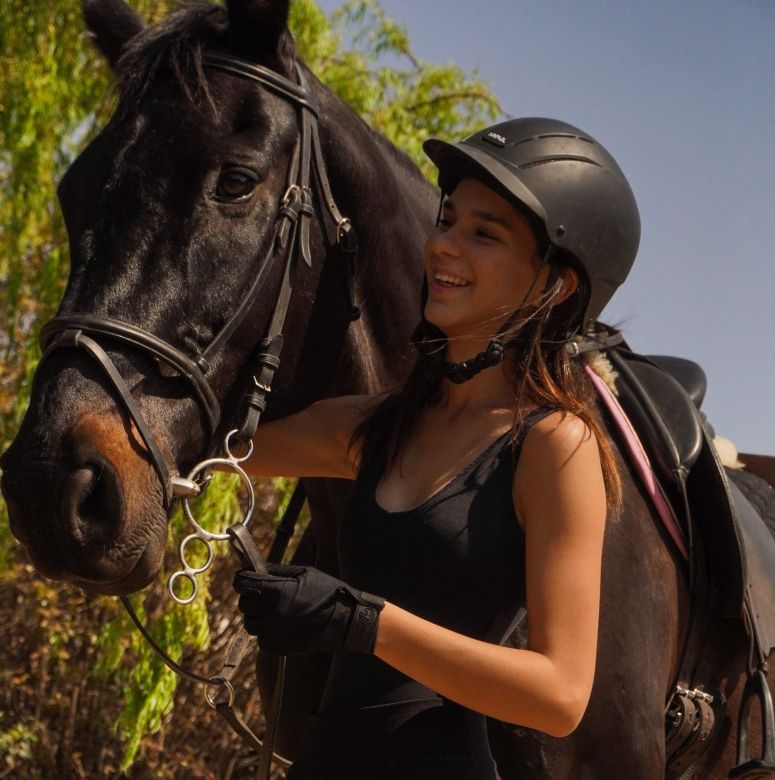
<point x="91" y="515"/>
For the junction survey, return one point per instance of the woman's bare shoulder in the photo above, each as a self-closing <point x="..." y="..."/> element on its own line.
<point x="559" y="463"/>
<point x="559" y="430"/>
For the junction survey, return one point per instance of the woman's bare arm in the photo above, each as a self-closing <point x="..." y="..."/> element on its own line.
<point x="559" y="494"/>
<point x="312" y="443"/>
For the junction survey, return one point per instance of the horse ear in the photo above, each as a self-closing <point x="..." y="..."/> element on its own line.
<point x="112" y="24"/>
<point x="259" y="31"/>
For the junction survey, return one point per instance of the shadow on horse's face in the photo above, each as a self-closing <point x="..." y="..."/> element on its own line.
<point x="168" y="212"/>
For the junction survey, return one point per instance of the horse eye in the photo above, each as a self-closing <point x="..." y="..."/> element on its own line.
<point x="235" y="184"/>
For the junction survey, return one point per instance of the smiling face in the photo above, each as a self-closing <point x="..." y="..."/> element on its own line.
<point x="481" y="264"/>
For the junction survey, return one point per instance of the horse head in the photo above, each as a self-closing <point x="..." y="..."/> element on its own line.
<point x="182" y="216"/>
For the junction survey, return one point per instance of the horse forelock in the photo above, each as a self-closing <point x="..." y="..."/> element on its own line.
<point x="176" y="46"/>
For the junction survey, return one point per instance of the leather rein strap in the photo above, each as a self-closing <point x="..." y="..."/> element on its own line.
<point x="291" y="237"/>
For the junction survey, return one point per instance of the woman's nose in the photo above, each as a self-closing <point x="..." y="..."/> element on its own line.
<point x="445" y="243"/>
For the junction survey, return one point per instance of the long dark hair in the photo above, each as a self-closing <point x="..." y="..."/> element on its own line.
<point x="547" y="376"/>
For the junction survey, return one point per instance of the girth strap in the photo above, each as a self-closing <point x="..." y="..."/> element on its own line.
<point x="690" y="722"/>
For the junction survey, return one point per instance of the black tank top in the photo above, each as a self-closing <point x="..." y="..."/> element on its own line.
<point x="456" y="559"/>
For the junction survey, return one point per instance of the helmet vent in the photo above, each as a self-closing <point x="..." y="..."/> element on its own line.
<point x="558" y="158"/>
<point x="565" y="135"/>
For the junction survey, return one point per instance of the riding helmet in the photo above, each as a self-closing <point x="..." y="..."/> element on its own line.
<point x="566" y="184"/>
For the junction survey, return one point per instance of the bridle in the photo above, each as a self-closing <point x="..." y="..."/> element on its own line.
<point x="290" y="238"/>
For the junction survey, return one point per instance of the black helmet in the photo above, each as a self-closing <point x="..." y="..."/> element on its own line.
<point x="568" y="186"/>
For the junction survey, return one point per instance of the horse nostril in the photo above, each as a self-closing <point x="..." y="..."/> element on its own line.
<point x="91" y="504"/>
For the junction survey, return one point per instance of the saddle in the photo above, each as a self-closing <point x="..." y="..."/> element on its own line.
<point x="727" y="542"/>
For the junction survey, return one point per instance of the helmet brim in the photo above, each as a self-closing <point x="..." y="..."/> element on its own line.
<point x="457" y="161"/>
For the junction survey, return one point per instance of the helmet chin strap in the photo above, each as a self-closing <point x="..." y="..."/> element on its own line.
<point x="468" y="369"/>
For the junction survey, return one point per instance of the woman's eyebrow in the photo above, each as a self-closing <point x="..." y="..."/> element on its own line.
<point x="488" y="216"/>
<point x="485" y="216"/>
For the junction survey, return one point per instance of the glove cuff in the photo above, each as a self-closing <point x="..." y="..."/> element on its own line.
<point x="362" y="631"/>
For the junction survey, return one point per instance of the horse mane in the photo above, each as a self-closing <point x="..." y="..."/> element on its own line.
<point x="399" y="156"/>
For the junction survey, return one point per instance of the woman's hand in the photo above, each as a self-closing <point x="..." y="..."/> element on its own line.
<point x="299" y="609"/>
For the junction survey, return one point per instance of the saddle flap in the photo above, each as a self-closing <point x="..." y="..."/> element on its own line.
<point x="759" y="560"/>
<point x="713" y="519"/>
<point x="739" y="545"/>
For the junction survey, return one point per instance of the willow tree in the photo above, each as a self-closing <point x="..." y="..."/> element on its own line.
<point x="82" y="696"/>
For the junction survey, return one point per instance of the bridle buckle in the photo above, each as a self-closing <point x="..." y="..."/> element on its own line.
<point x="345" y="236"/>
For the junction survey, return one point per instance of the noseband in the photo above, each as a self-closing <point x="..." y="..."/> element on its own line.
<point x="290" y="237"/>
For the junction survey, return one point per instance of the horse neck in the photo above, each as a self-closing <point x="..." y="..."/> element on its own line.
<point x="392" y="208"/>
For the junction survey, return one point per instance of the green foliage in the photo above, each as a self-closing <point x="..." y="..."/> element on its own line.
<point x="147" y="685"/>
<point x="54" y="94"/>
<point x="17" y="743"/>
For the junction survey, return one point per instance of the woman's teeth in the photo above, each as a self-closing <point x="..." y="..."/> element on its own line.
<point x="456" y="281"/>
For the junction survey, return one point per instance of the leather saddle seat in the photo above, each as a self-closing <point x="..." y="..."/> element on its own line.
<point x="687" y="373"/>
<point x="661" y="400"/>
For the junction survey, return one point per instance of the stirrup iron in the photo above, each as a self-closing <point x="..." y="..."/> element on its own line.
<point x="763" y="767"/>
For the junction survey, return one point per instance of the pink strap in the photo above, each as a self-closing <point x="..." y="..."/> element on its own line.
<point x="641" y="462"/>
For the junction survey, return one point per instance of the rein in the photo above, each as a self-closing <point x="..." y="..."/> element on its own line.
<point x="291" y="238"/>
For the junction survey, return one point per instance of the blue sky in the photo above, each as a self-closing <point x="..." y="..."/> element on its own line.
<point x="683" y="95"/>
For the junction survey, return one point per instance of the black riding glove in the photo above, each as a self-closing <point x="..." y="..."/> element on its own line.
<point x="298" y="609"/>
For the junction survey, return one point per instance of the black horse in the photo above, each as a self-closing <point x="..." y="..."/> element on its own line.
<point x="169" y="210"/>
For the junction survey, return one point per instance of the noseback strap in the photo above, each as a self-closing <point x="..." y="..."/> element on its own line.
<point x="137" y="337"/>
<point x="77" y="339"/>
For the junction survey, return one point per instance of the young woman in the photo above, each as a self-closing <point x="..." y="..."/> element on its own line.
<point x="482" y="484"/>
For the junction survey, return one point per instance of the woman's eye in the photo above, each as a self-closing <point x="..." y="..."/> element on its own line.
<point x="484" y="234"/>
<point x="235" y="184"/>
